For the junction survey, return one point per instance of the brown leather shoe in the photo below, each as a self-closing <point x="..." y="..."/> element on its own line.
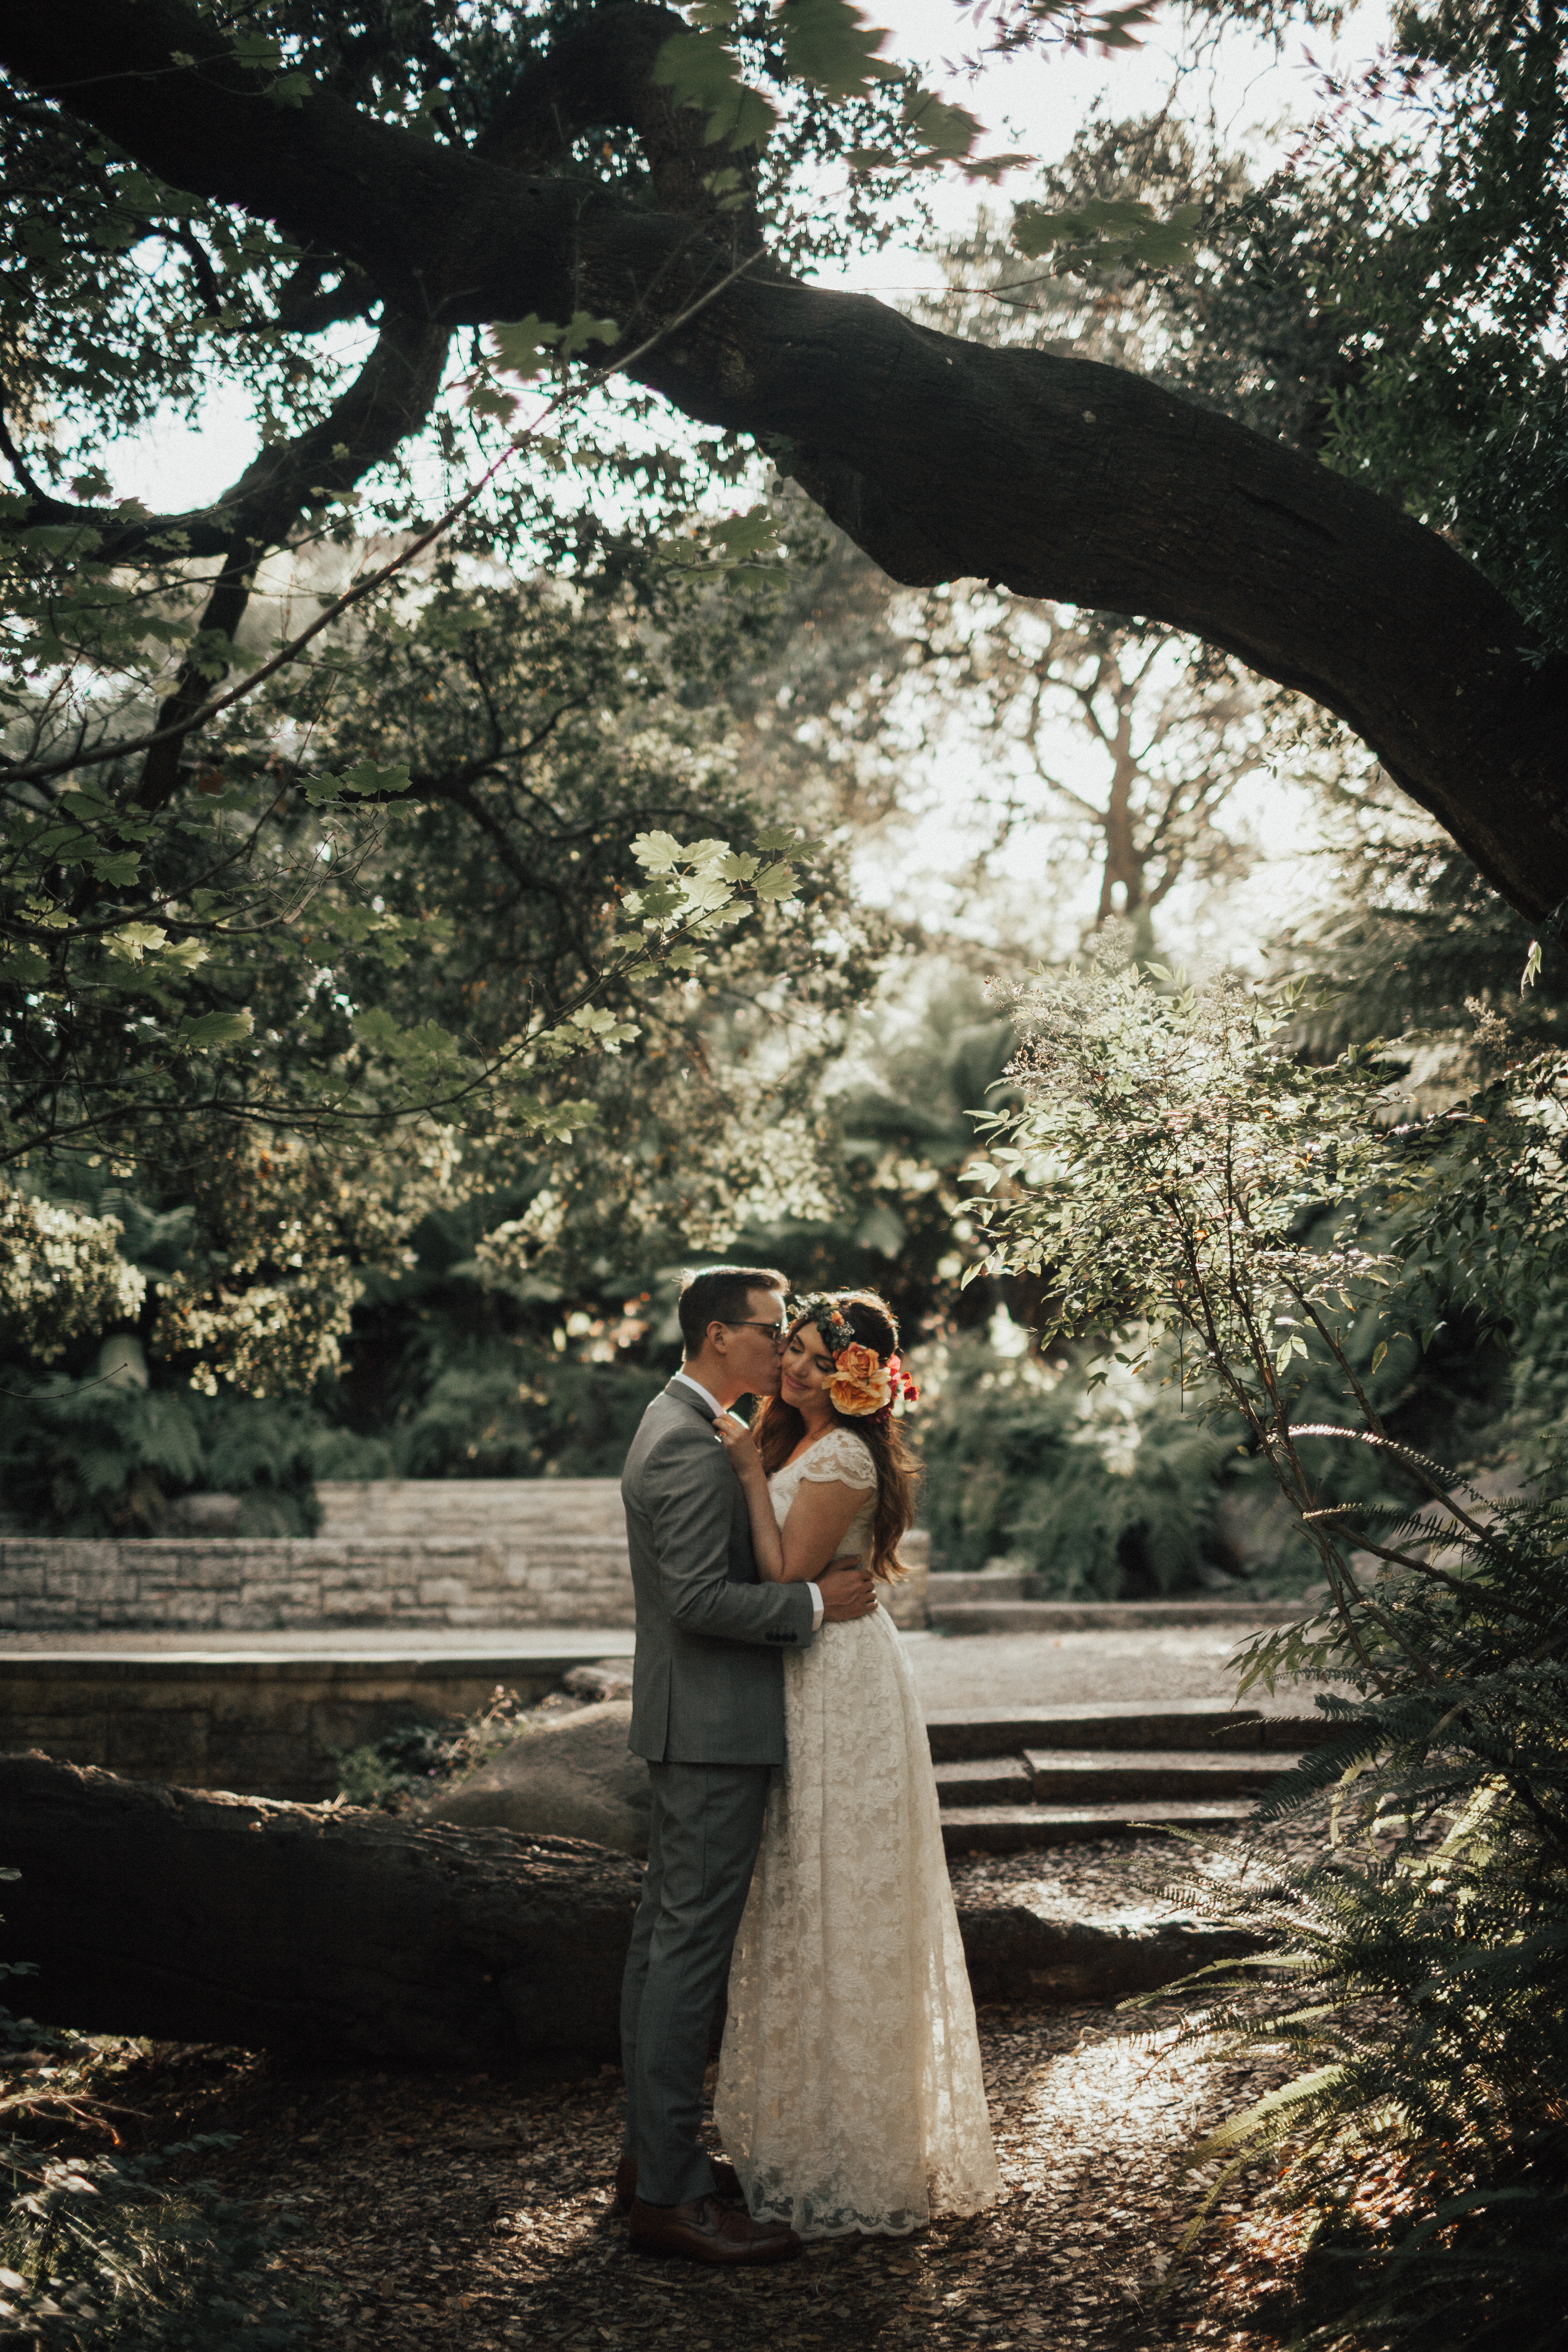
<point x="707" y="2231"/>
<point x="726" y="2185"/>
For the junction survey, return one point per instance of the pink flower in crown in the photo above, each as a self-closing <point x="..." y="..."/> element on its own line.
<point x="860" y="1385"/>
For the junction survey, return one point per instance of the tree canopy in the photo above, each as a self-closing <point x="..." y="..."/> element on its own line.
<point x="431" y="170"/>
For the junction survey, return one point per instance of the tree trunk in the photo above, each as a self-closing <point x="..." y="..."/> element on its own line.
<point x="1050" y="475"/>
<point x="196" y="1917"/>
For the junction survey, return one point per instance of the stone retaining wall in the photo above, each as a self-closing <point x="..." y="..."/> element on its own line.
<point x="554" y="1553"/>
<point x="290" y="1583"/>
<point x="265" y="1726"/>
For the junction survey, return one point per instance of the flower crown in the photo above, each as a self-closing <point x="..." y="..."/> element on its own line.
<point x="863" y="1385"/>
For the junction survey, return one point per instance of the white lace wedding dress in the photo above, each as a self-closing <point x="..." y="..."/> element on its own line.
<point x="850" y="2088"/>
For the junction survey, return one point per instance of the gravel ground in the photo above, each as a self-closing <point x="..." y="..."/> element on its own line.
<point x="468" y="2214"/>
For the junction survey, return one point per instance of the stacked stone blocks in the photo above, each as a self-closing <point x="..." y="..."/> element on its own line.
<point x="518" y="1552"/>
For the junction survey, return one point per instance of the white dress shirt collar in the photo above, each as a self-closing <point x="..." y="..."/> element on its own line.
<point x="706" y="1394"/>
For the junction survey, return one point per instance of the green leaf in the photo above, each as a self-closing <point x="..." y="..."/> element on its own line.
<point x="214" y="1029"/>
<point x="944" y="130"/>
<point x="1109" y="231"/>
<point x="486" y="401"/>
<point x="698" y="71"/>
<point x="367" y="778"/>
<point x="118" y="865"/>
<point x="133" y="940"/>
<point x="659" y="852"/>
<point x="23" y="965"/>
<point x="829" y="44"/>
<point x="775" y="883"/>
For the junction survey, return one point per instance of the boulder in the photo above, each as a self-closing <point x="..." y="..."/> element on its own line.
<point x="573" y="1776"/>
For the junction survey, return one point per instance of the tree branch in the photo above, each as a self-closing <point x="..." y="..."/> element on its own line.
<point x="1052" y="476"/>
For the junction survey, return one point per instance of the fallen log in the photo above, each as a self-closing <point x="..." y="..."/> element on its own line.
<point x="335" y="1934"/>
<point x="192" y="1915"/>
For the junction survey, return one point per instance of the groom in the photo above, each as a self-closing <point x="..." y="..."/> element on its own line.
<point x="708" y="1714"/>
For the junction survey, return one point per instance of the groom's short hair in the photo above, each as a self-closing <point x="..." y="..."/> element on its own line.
<point x="721" y="1294"/>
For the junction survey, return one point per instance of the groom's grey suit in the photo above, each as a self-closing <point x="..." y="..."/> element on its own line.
<point x="708" y="1714"/>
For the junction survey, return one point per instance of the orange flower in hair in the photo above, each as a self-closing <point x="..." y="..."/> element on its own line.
<point x="860" y="1385"/>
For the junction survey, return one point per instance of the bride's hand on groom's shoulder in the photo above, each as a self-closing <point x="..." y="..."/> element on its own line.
<point x="740" y="1445"/>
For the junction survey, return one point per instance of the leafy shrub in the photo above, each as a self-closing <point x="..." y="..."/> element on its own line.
<point x="106" y="1459"/>
<point x="1099" y="1490"/>
<point x="1175" y="1170"/>
<point x="1418" y="1973"/>
<point x="518" y="1412"/>
<point x="414" y="1761"/>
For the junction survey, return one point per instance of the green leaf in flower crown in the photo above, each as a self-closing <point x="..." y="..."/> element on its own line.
<point x="698" y="71"/>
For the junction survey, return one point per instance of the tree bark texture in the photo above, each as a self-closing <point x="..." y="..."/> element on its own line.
<point x="343" y="1935"/>
<point x="196" y="1917"/>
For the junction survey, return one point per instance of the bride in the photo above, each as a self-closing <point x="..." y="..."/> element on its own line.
<point x="849" y="2087"/>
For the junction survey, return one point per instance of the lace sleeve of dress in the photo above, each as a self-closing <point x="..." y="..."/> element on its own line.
<point x="841" y="1456"/>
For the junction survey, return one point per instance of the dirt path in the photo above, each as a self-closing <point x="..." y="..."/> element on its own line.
<point x="468" y="2214"/>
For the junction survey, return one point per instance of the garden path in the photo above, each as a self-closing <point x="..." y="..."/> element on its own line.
<point x="468" y="2214"/>
<point x="951" y="1670"/>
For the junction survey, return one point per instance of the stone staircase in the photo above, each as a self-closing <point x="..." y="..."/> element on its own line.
<point x="1013" y="1778"/>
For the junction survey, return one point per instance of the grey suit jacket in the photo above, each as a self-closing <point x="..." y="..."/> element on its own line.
<point x="707" y="1687"/>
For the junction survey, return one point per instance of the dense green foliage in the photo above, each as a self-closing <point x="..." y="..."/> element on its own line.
<point x="1177" y="1171"/>
<point x="1097" y="1494"/>
<point x="1417" y="1972"/>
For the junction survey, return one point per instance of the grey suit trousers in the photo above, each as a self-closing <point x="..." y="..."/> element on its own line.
<point x="706" y="1828"/>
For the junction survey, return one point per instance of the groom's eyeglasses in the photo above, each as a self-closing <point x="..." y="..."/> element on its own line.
<point x="779" y="1331"/>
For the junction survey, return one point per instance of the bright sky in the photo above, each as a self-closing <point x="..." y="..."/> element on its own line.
<point x="1249" y="92"/>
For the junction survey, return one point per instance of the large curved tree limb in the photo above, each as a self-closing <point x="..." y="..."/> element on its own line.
<point x="1048" y="476"/>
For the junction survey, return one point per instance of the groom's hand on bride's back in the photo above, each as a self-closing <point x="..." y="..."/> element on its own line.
<point x="846" y="1592"/>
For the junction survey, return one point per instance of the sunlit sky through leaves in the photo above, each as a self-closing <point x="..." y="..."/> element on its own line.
<point x="1242" y="92"/>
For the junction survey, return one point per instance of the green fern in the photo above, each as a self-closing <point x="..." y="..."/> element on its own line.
<point x="1417" y="1974"/>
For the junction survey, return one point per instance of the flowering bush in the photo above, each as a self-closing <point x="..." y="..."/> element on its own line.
<point x="61" y="1276"/>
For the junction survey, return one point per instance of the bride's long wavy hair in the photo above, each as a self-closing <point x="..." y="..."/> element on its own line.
<point x="780" y="1428"/>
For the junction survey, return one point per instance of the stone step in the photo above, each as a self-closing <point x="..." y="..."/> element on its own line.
<point x="986" y="1781"/>
<point x="1013" y="1829"/>
<point x="1100" y="1616"/>
<point x="961" y="1734"/>
<point x="1116" y="1775"/>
